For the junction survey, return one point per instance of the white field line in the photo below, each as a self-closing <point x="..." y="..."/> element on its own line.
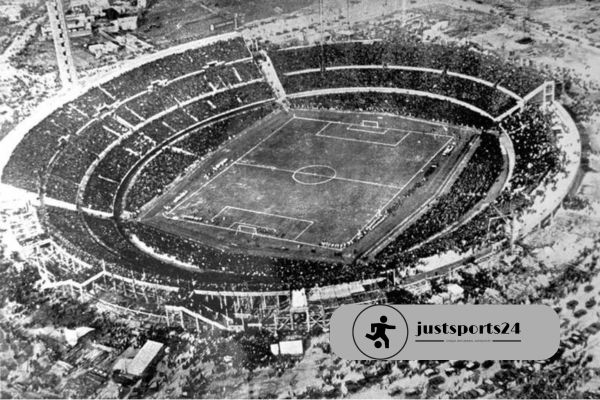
<point x="249" y="225"/>
<point x="304" y="230"/>
<point x="310" y="222"/>
<point x="314" y="174"/>
<point x="404" y="186"/>
<point x="390" y="129"/>
<point x="350" y="128"/>
<point x="323" y="128"/>
<point x="239" y="162"/>
<point x="260" y="212"/>
<point x="365" y="141"/>
<point x="425" y="122"/>
<point x="253" y="234"/>
<point x="229" y="166"/>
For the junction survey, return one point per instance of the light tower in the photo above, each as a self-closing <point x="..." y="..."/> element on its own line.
<point x="62" y="45"/>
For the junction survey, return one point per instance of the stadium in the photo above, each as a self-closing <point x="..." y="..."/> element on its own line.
<point x="225" y="184"/>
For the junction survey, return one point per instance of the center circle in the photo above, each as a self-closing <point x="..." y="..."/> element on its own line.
<point x="314" y="174"/>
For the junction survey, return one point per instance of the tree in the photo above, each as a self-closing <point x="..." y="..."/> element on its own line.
<point x="401" y="296"/>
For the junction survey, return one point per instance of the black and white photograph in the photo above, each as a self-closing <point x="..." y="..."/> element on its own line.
<point x="299" y="199"/>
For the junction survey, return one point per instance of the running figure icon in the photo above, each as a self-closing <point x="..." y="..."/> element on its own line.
<point x="379" y="328"/>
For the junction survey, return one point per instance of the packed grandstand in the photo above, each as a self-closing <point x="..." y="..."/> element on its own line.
<point x="98" y="159"/>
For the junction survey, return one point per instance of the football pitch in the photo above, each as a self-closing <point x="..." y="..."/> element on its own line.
<point x="313" y="181"/>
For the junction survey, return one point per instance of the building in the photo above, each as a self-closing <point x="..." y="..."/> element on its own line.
<point x="144" y="359"/>
<point x="78" y="25"/>
<point x="455" y="291"/>
<point x="127" y="369"/>
<point x="102" y="49"/>
<point x="288" y="347"/>
<point x="73" y="336"/>
<point x="128" y="23"/>
<point x="11" y="11"/>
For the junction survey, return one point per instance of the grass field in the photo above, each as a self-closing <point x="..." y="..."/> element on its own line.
<point x="313" y="180"/>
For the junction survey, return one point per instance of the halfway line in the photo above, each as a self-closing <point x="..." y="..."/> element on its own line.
<point x="313" y="174"/>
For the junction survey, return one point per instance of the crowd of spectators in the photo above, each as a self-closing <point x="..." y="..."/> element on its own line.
<point x="472" y="186"/>
<point x="173" y="161"/>
<point x="396" y="103"/>
<point x="537" y="157"/>
<point x="156" y="175"/>
<point x="176" y="65"/>
<point x="534" y="140"/>
<point x="63" y="145"/>
<point x="72" y="142"/>
<point x="409" y="50"/>
<point x="484" y="97"/>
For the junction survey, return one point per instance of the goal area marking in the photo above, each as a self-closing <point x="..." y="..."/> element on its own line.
<point x="369" y="123"/>
<point x="246" y="227"/>
<point x="249" y="229"/>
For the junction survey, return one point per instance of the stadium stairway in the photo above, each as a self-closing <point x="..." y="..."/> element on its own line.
<point x="272" y="78"/>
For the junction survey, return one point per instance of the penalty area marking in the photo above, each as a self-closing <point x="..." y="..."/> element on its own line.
<point x="294" y="241"/>
<point x="389" y="129"/>
<point x="259" y="212"/>
<point x="365" y="141"/>
<point x="308" y="222"/>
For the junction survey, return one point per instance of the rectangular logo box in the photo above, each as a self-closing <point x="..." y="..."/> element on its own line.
<point x="445" y="332"/>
